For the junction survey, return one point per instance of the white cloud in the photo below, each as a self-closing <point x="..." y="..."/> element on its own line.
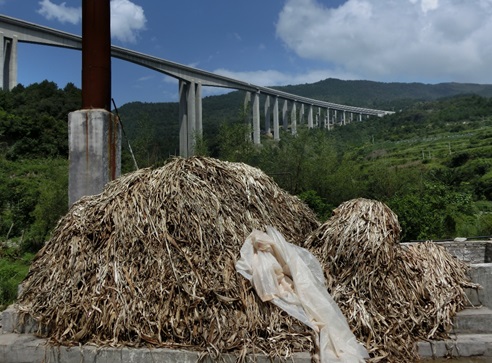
<point x="61" y="12"/>
<point x="434" y="40"/>
<point x="127" y="18"/>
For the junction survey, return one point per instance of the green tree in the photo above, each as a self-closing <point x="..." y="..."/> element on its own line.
<point x="430" y="211"/>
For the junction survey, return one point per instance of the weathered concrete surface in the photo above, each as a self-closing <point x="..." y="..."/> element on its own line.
<point x="481" y="273"/>
<point x="472" y="336"/>
<point x="463" y="345"/>
<point x="18" y="344"/>
<point x="94" y="151"/>
<point x="10" y="322"/>
<point x="26" y="348"/>
<point x="473" y="321"/>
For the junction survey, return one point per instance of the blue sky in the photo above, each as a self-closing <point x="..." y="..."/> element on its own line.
<point x="272" y="42"/>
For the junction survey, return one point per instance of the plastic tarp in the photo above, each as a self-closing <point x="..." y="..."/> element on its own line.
<point x="290" y="277"/>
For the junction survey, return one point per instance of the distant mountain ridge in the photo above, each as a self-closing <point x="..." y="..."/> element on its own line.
<point x="384" y="95"/>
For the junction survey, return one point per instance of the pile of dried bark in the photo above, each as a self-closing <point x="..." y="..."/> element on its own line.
<point x="150" y="261"/>
<point x="392" y="295"/>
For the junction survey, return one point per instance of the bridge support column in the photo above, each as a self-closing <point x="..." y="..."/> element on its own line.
<point x="276" y="135"/>
<point x="310" y="117"/>
<point x="183" y="120"/>
<point x="248" y="114"/>
<point x="198" y="109"/>
<point x="301" y="114"/>
<point x="293" y="118"/>
<point x="268" y="116"/>
<point x="285" y="121"/>
<point x="94" y="139"/>
<point x="190" y="117"/>
<point x="256" y="118"/>
<point x="8" y="61"/>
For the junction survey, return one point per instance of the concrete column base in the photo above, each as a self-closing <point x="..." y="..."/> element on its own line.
<point x="94" y="151"/>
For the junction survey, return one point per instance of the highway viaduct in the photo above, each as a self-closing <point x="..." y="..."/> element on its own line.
<point x="191" y="81"/>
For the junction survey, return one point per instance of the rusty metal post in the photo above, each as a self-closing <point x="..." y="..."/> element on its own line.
<point x="96" y="54"/>
<point x="94" y="133"/>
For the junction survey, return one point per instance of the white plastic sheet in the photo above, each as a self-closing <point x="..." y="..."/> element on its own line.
<point x="291" y="277"/>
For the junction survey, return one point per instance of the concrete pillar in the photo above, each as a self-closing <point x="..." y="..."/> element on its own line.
<point x="190" y="116"/>
<point x="2" y="61"/>
<point x="285" y="121"/>
<point x="248" y="114"/>
<point x="344" y="122"/>
<point x="301" y="114"/>
<point x="191" y="119"/>
<point x="310" y="117"/>
<point x="360" y="117"/>
<point x="94" y="151"/>
<point x="13" y="63"/>
<point x="8" y="61"/>
<point x="256" y="117"/>
<point x="268" y="115"/>
<point x="247" y="101"/>
<point x="183" y="120"/>
<point x="293" y="118"/>
<point x="198" y="109"/>
<point x="276" y="135"/>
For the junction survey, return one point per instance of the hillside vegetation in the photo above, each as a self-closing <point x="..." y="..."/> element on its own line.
<point x="431" y="161"/>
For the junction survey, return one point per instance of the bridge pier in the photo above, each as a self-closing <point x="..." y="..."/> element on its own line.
<point x="276" y="130"/>
<point x="293" y="118"/>
<point x="285" y="121"/>
<point x="252" y="116"/>
<point x="256" y="118"/>
<point x="268" y="115"/>
<point x="310" y="117"/>
<point x="190" y="116"/>
<point x="8" y="60"/>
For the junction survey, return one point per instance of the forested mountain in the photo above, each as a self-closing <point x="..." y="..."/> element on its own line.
<point x="389" y="96"/>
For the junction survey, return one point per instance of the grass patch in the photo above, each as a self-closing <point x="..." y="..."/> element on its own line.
<point x="12" y="271"/>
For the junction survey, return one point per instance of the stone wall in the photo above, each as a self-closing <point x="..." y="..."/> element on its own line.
<point x="471" y="252"/>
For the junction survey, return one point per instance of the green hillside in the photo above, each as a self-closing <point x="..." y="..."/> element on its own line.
<point x="437" y="139"/>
